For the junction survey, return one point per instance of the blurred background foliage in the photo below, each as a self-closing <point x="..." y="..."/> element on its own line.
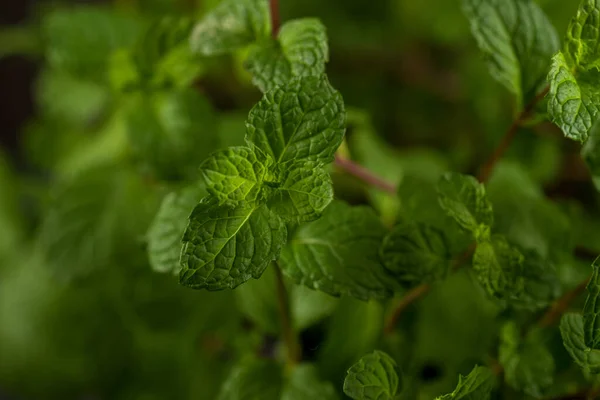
<point x="122" y="114"/>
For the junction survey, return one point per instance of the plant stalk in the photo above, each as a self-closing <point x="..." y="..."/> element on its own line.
<point x="275" y="19"/>
<point x="364" y="175"/>
<point x="488" y="167"/>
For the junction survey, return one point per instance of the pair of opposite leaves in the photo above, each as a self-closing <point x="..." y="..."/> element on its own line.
<point x="279" y="178"/>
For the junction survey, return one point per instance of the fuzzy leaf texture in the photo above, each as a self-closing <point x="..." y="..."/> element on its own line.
<point x="517" y="41"/>
<point x="477" y="385"/>
<point x="166" y="231"/>
<point x="301" y="121"/>
<point x="527" y="362"/>
<point x="231" y="25"/>
<point x="415" y="252"/>
<point x="340" y="258"/>
<point x="464" y="199"/>
<point x="306" y="191"/>
<point x="224" y="246"/>
<point x="300" y="50"/>
<point x="373" y="377"/>
<point x="572" y="332"/>
<point x="236" y="174"/>
<point x="499" y="268"/>
<point x="574" y="95"/>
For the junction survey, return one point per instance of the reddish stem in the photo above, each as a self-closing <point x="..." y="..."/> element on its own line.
<point x="364" y="175"/>
<point x="561" y="305"/>
<point x="488" y="167"/>
<point x="275" y="19"/>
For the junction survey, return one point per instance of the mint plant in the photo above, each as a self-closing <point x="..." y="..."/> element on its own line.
<point x="318" y="256"/>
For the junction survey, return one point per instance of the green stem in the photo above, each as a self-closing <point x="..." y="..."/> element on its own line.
<point x="289" y="336"/>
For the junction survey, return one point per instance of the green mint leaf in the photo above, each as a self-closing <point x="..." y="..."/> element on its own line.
<point x="465" y="200"/>
<point x="541" y="282"/>
<point x="166" y="231"/>
<point x="591" y="309"/>
<point x="574" y="95"/>
<point x="582" y="44"/>
<point x="63" y="97"/>
<point x="306" y="191"/>
<point x="224" y="246"/>
<point x="300" y="50"/>
<point x="477" y="385"/>
<point x="572" y="332"/>
<point x="517" y="41"/>
<point x="170" y="132"/>
<point x="301" y="121"/>
<point x="499" y="268"/>
<point x="415" y="252"/>
<point x="373" y="377"/>
<point x="304" y="383"/>
<point x="573" y="100"/>
<point x="236" y="174"/>
<point x="338" y="254"/>
<point x="233" y="24"/>
<point x="71" y="47"/>
<point x="253" y="379"/>
<point x="527" y="362"/>
<point x="161" y="58"/>
<point x="91" y="219"/>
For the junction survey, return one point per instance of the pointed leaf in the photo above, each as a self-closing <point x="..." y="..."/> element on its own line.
<point x="415" y="252"/>
<point x="528" y="364"/>
<point x="582" y="44"/>
<point x="373" y="377"/>
<point x="499" y="268"/>
<point x="236" y="174"/>
<point x="304" y="194"/>
<point x="166" y="231"/>
<point x="573" y="101"/>
<point x="338" y="254"/>
<point x="224" y="246"/>
<point x="231" y="25"/>
<point x="591" y="309"/>
<point x="477" y="385"/>
<point x="572" y="332"/>
<point x="303" y="120"/>
<point x="300" y="50"/>
<point x="517" y="41"/>
<point x="465" y="200"/>
<point x="171" y="132"/>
